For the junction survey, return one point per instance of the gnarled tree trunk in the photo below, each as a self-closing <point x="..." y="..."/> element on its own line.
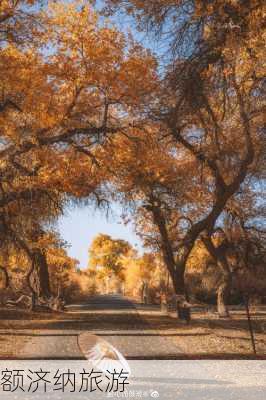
<point x="176" y="270"/>
<point x="40" y="275"/>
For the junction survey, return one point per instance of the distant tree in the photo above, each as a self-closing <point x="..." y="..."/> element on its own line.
<point x="145" y="275"/>
<point x="106" y="257"/>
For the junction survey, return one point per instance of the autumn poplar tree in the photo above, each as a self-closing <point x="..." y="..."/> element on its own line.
<point x="157" y="188"/>
<point x="211" y="101"/>
<point x="68" y="82"/>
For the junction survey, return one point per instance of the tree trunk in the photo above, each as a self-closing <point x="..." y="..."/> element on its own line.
<point x="32" y="290"/>
<point x="224" y="289"/>
<point x="182" y="306"/>
<point x="176" y="269"/>
<point x="40" y="275"/>
<point x="7" y="280"/>
<point x="223" y="294"/>
<point x="250" y="327"/>
<point x="177" y="274"/>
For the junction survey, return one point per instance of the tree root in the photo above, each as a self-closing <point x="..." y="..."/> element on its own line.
<point x="53" y="303"/>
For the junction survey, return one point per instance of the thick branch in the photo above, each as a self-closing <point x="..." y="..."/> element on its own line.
<point x="9" y="104"/>
<point x="201" y="157"/>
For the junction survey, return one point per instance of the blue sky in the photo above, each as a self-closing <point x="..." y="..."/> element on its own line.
<point x="80" y="225"/>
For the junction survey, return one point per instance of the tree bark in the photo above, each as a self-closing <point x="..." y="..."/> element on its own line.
<point x="224" y="289"/>
<point x="7" y="280"/>
<point x="176" y="269"/>
<point x="223" y="294"/>
<point x="40" y="275"/>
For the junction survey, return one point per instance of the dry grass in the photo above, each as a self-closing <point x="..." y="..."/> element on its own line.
<point x="206" y="335"/>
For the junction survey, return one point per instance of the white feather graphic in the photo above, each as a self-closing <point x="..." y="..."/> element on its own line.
<point x="102" y="354"/>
